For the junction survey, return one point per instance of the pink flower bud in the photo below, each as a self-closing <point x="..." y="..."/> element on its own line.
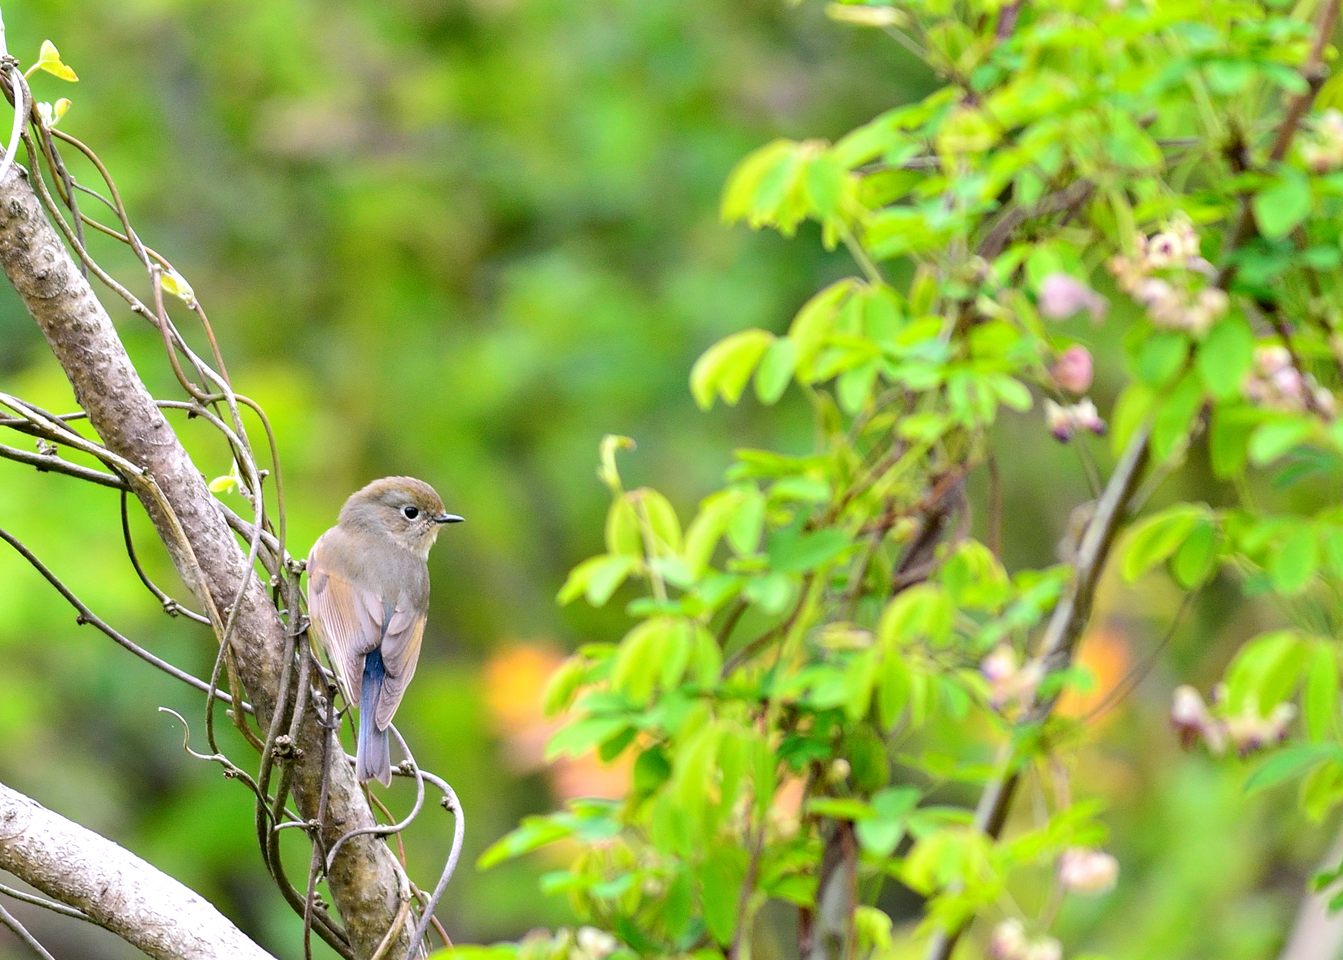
<point x="1000" y="665"/>
<point x="1061" y="296"/>
<point x="1008" y="941"/>
<point x="1088" y="871"/>
<point x="1072" y="371"/>
<point x="1188" y="715"/>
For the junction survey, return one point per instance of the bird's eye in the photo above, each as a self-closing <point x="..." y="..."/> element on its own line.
<point x="410" y="513"/>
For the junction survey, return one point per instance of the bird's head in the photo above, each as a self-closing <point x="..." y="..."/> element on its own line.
<point x="407" y="510"/>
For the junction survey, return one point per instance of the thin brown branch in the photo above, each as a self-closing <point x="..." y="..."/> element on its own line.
<point x="1314" y="72"/>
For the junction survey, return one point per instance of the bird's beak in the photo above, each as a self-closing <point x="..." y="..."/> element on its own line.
<point x="448" y="518"/>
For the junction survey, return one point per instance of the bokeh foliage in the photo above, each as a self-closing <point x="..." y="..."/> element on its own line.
<point x="799" y="700"/>
<point x="465" y="241"/>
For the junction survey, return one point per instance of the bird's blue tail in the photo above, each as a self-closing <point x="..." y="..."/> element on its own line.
<point x="372" y="759"/>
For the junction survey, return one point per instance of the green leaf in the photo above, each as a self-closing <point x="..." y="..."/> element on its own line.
<point x="1194" y="561"/>
<point x="1225" y="356"/>
<point x="1292" y="565"/>
<point x="1290" y="762"/>
<point x="923" y="611"/>
<point x="597" y="578"/>
<point x="796" y="552"/>
<point x="651" y="770"/>
<point x="1321" y="790"/>
<point x="880" y="833"/>
<point x="840" y="808"/>
<point x="174" y="283"/>
<point x="657" y="510"/>
<point x="1175" y="416"/>
<point x="775" y="370"/>
<point x="1283" y="204"/>
<point x="721" y="877"/>
<point x="635" y="670"/>
<point x="49" y="60"/>
<point x="221" y="484"/>
<point x="1129" y="145"/>
<point x="824" y="182"/>
<point x="1273" y="439"/>
<point x="1130" y="411"/>
<point x="563" y="685"/>
<point x="1264" y="672"/>
<point x="622" y="528"/>
<point x="582" y="735"/>
<point x="1228" y="439"/>
<point x="1320" y="693"/>
<point x="745" y="527"/>
<point x="1331" y="545"/>
<point x="771" y="593"/>
<point x="1156" y="538"/>
<point x="812" y="326"/>
<point x="1162" y="356"/>
<point x="534" y="832"/>
<point x="725" y="367"/>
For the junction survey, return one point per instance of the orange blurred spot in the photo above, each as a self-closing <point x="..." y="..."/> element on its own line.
<point x="1105" y="655"/>
<point x="515" y="680"/>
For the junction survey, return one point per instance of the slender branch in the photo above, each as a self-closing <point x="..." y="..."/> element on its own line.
<point x="86" y="615"/>
<point x="1059" y="640"/>
<point x="51" y="463"/>
<point x="24" y="935"/>
<point x="1314" y="72"/>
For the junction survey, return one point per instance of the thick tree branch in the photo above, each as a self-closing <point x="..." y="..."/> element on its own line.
<point x="113" y="887"/>
<point x="365" y="879"/>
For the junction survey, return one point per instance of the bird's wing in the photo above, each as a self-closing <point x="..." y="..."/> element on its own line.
<point x="400" y="653"/>
<point x="348" y="620"/>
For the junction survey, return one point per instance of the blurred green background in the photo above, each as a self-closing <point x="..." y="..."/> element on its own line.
<point x="464" y="241"/>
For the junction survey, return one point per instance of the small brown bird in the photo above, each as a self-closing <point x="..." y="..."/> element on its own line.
<point x="368" y="594"/>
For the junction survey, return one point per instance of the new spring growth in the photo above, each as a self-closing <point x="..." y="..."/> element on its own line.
<point x="1167" y="275"/>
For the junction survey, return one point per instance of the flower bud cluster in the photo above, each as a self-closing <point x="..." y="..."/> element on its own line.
<point x="1245" y="732"/>
<point x="1064" y="421"/>
<point x="1009" y="941"/>
<point x="1274" y="382"/>
<point x="1168" y="276"/>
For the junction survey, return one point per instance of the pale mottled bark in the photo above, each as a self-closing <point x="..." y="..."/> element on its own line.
<point x="364" y="879"/>
<point x="116" y="889"/>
